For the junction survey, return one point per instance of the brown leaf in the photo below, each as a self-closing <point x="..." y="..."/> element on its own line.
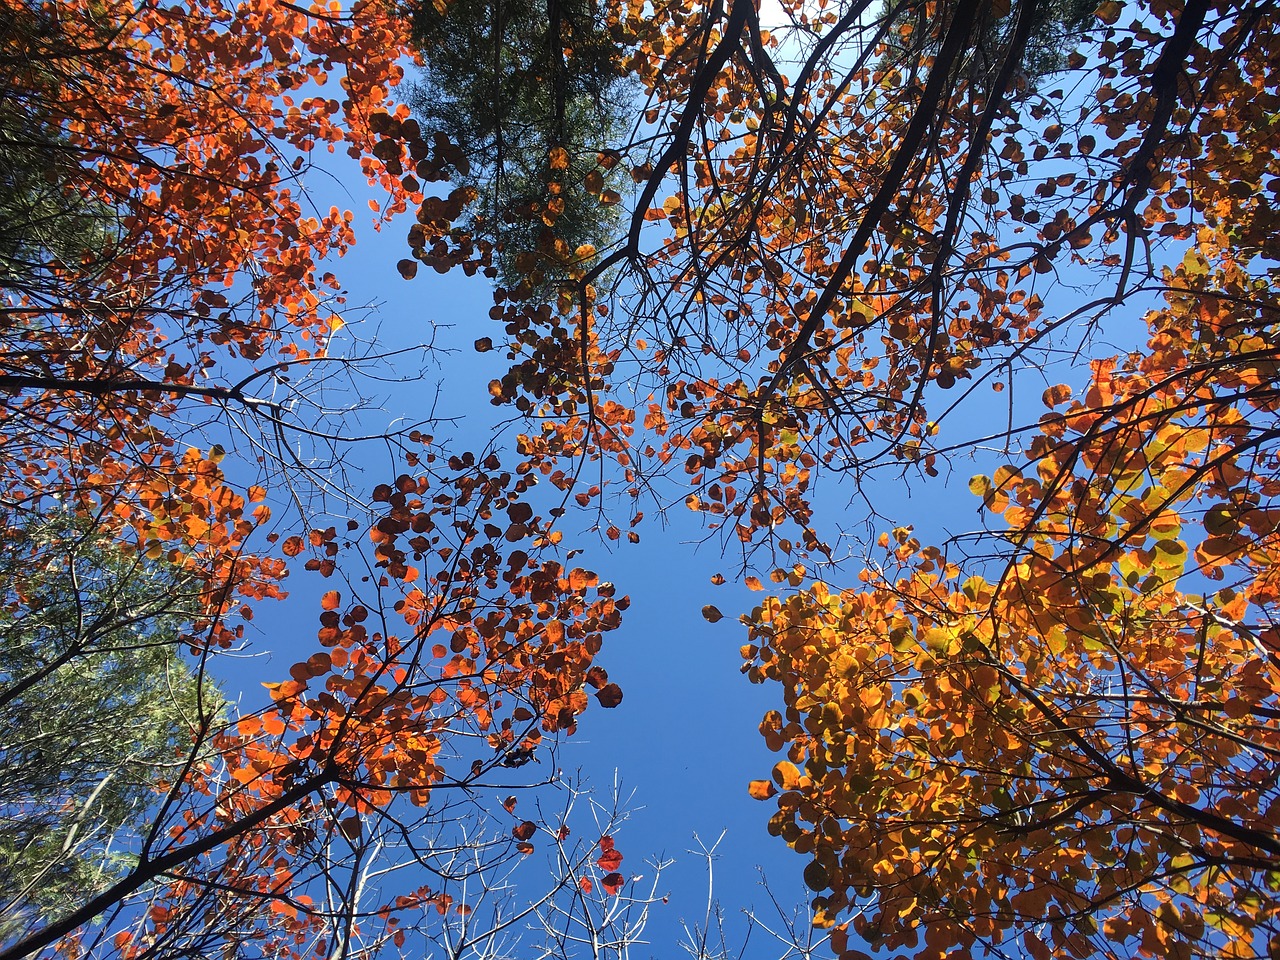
<point x="610" y="695"/>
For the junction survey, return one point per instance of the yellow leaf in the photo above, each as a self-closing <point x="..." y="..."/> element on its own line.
<point x="786" y="775"/>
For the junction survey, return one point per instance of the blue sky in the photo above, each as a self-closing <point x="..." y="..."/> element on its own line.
<point x="684" y="744"/>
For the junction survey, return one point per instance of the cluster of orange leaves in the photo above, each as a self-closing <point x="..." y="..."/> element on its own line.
<point x="1061" y="731"/>
<point x="212" y="255"/>
<point x="195" y="126"/>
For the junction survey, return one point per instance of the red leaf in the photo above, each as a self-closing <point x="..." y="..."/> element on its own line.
<point x="610" y="859"/>
<point x="613" y="883"/>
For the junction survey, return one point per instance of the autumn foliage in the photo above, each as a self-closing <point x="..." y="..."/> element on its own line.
<point x="194" y="297"/>
<point x="1029" y="242"/>
<point x="1057" y="730"/>
<point x="207" y="253"/>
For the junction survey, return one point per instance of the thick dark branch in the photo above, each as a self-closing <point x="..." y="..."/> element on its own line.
<point x="1118" y="781"/>
<point x="1140" y="172"/>
<point x="1164" y="80"/>
<point x="150" y="870"/>
<point x="730" y="43"/>
<point x="15" y="382"/>
<point x="940" y="80"/>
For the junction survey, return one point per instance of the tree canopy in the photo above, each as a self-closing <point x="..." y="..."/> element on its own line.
<point x="1028" y="243"/>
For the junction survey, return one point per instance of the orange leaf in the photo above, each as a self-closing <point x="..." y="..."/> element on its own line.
<point x="1055" y="396"/>
<point x="248" y="726"/>
<point x="580" y="579"/>
<point x="786" y="775"/>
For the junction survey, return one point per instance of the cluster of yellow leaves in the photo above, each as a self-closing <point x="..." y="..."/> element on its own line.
<point x="1060" y="735"/>
<point x="1074" y="740"/>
